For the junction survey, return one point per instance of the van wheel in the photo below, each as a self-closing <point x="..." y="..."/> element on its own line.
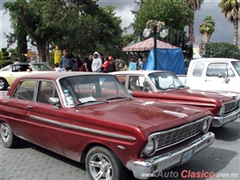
<point x="3" y="84"/>
<point x="101" y="163"/>
<point x="8" y="138"/>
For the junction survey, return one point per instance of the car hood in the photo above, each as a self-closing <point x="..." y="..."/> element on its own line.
<point x="144" y="114"/>
<point x="202" y="96"/>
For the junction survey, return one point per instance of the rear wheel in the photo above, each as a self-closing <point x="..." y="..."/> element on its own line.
<point x="8" y="138"/>
<point x="103" y="164"/>
<point x="3" y="84"/>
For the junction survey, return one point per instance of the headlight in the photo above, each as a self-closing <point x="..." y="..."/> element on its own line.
<point x="151" y="147"/>
<point x="221" y="111"/>
<point x="205" y="126"/>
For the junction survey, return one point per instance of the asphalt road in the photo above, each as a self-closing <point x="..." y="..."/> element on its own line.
<point x="30" y="162"/>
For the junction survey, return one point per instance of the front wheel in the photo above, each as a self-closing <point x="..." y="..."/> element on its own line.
<point x="8" y="138"/>
<point x="103" y="164"/>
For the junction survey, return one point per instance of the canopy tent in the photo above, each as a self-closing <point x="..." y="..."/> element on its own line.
<point x="147" y="45"/>
<point x="169" y="57"/>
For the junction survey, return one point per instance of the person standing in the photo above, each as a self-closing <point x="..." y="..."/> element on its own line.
<point x="112" y="66"/>
<point x="88" y="63"/>
<point x="64" y="61"/>
<point x="72" y="65"/>
<point x="96" y="62"/>
<point x="105" y="65"/>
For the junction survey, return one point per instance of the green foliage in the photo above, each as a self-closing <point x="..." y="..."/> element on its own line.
<point x="4" y="54"/>
<point x="174" y="13"/>
<point x="4" y="63"/>
<point x="127" y="39"/>
<point x="207" y="26"/>
<point x="70" y="24"/>
<point x="223" y="50"/>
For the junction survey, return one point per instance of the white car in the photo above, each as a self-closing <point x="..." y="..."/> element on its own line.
<point x="9" y="73"/>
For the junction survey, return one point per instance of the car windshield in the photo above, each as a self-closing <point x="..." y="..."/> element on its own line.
<point x="166" y="80"/>
<point x="40" y="67"/>
<point x="88" y="89"/>
<point x="236" y="65"/>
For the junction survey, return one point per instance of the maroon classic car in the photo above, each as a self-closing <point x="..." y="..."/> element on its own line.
<point x="72" y="114"/>
<point x="164" y="86"/>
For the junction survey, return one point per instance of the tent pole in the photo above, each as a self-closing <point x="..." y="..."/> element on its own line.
<point x="155" y="46"/>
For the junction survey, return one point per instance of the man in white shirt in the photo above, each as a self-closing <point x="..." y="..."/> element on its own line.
<point x="96" y="63"/>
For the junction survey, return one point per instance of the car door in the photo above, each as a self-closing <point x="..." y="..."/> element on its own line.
<point x="196" y="76"/>
<point x="16" y="107"/>
<point x="16" y="71"/>
<point x="45" y="120"/>
<point x="220" y="76"/>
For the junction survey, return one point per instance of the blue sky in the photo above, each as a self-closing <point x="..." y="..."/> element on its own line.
<point x="223" y="29"/>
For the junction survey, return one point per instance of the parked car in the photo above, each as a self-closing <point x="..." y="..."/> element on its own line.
<point x="164" y="86"/>
<point x="71" y="114"/>
<point x="9" y="73"/>
<point x="213" y="74"/>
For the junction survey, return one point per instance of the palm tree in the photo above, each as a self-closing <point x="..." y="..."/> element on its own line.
<point x="206" y="28"/>
<point x="194" y="5"/>
<point x="231" y="11"/>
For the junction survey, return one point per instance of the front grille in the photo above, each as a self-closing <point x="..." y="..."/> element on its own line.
<point x="179" y="134"/>
<point x="231" y="106"/>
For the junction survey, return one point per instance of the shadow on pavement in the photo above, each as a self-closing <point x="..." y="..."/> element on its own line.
<point x="229" y="132"/>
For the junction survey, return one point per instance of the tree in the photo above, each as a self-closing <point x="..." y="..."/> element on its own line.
<point x="46" y="20"/>
<point x="175" y="15"/>
<point x="230" y="8"/>
<point x="194" y="5"/>
<point x="206" y="28"/>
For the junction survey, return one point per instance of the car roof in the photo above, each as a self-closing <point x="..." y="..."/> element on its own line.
<point x="215" y="59"/>
<point x="53" y="75"/>
<point x="144" y="72"/>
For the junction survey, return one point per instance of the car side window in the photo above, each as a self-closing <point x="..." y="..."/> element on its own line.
<point x="25" y="90"/>
<point x="122" y="79"/>
<point x="198" y="69"/>
<point x="46" y="90"/>
<point x="219" y="69"/>
<point x="136" y="83"/>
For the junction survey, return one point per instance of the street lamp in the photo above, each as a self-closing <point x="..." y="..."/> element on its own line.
<point x="155" y="27"/>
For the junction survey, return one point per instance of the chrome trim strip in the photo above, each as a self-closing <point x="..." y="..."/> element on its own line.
<point x="90" y="130"/>
<point x="194" y="104"/>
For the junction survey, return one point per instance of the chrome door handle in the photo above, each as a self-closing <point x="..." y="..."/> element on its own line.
<point x="30" y="107"/>
<point x="5" y="102"/>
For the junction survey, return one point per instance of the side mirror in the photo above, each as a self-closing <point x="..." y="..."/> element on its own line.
<point x="129" y="91"/>
<point x="55" y="101"/>
<point x="227" y="80"/>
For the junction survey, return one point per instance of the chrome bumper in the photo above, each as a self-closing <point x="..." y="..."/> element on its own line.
<point x="155" y="165"/>
<point x="220" y="121"/>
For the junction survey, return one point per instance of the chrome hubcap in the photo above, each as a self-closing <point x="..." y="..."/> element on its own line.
<point x="5" y="133"/>
<point x="1" y="84"/>
<point x="100" y="167"/>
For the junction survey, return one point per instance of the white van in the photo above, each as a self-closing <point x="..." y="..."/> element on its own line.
<point x="214" y="74"/>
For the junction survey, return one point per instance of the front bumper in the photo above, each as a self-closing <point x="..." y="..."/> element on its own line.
<point x="156" y="165"/>
<point x="220" y="121"/>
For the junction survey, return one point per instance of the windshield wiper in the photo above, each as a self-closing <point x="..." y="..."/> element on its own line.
<point x="118" y="97"/>
<point x="82" y="103"/>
